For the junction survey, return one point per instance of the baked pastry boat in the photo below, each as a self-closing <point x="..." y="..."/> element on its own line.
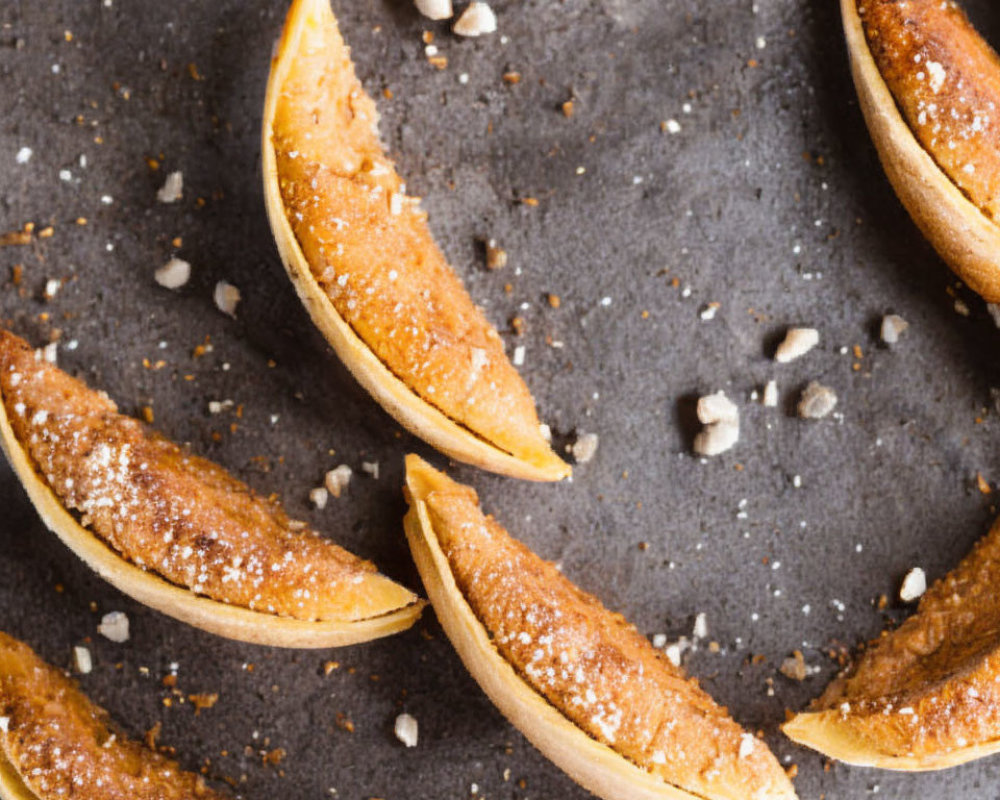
<point x="363" y="261"/>
<point x="929" y="87"/>
<point x="576" y="679"/>
<point x="927" y="695"/>
<point x="175" y="531"/>
<point x="56" y="743"/>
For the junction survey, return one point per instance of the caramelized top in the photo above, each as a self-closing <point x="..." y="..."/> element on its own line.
<point x="593" y="666"/>
<point x="369" y="247"/>
<point x="64" y="746"/>
<point x="945" y="79"/>
<point x="175" y="514"/>
<point x="933" y="684"/>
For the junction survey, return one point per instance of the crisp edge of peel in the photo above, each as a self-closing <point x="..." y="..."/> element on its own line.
<point x="214" y="616"/>
<point x="394" y="395"/>
<point x="595" y="766"/>
<point x="967" y="240"/>
<point x="829" y="732"/>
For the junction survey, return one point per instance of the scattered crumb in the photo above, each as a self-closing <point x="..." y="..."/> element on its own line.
<point x="567" y="109"/>
<point x="24" y="155"/>
<point x="336" y="480"/>
<point x="722" y="425"/>
<point x="700" y="630"/>
<point x="584" y="448"/>
<point x="797" y="342"/>
<point x="318" y="497"/>
<point x="172" y="189"/>
<point x="226" y="298"/>
<point x="770" y="397"/>
<point x="892" y="327"/>
<point x="406" y="730"/>
<point x="435" y="9"/>
<point x="817" y="401"/>
<point x="82" y="661"/>
<point x="174" y="274"/>
<point x="203" y="701"/>
<point x="496" y="257"/>
<point x="794" y="667"/>
<point x="51" y="352"/>
<point x="961" y="307"/>
<point x="519" y="352"/>
<point x="370" y="468"/>
<point x="746" y="745"/>
<point x="913" y="586"/>
<point x="52" y="287"/>
<point x="670" y="126"/>
<point x="477" y="19"/>
<point x="709" y="311"/>
<point x="114" y="626"/>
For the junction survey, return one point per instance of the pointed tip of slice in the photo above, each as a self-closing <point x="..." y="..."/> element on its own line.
<point x="423" y="480"/>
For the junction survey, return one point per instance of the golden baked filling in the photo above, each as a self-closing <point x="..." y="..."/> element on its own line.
<point x="945" y="78"/>
<point x="591" y="664"/>
<point x="928" y="693"/>
<point x="174" y="514"/>
<point x="61" y="745"/>
<point x="368" y="246"/>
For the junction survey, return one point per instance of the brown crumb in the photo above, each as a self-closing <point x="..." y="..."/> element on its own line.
<point x="496" y="257"/>
<point x="152" y="735"/>
<point x="567" y="109"/>
<point x="147" y="414"/>
<point x="330" y="666"/>
<point x="511" y="77"/>
<point x="530" y="201"/>
<point x="275" y="756"/>
<point x="517" y="325"/>
<point x="344" y="722"/>
<point x="438" y="61"/>
<point x="983" y="484"/>
<point x="203" y="701"/>
<point x="794" y="667"/>
<point x="554" y="300"/>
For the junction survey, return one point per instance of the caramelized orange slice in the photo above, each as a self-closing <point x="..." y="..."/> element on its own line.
<point x="576" y="679"/>
<point x="175" y="531"/>
<point x="55" y="743"/>
<point x="929" y="87"/>
<point x="927" y="695"/>
<point x="362" y="258"/>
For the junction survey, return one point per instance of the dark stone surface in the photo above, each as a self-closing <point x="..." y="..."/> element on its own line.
<point x="770" y="201"/>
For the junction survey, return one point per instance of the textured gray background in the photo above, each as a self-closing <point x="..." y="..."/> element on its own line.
<point x="770" y="201"/>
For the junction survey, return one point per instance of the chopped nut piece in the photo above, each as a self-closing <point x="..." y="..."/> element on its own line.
<point x="114" y="626"/>
<point x="700" y="630"/>
<point x="722" y="425"/>
<point x="797" y="342"/>
<point x="913" y="586"/>
<point x="817" y="401"/>
<point x="52" y="287"/>
<point x="496" y="257"/>
<point x="435" y="9"/>
<point x="172" y="189"/>
<point x="318" y="497"/>
<point x="406" y="730"/>
<point x="370" y="468"/>
<point x="336" y="480"/>
<point x="892" y="327"/>
<point x="226" y="298"/>
<point x="794" y="667"/>
<point x="477" y="19"/>
<point x="82" y="661"/>
<point x="174" y="274"/>
<point x="770" y="398"/>
<point x="584" y="448"/>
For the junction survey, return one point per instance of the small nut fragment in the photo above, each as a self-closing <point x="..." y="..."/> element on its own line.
<point x="770" y="398"/>
<point x="584" y="448"/>
<point x="913" y="586"/>
<point x="893" y="326"/>
<point x="797" y="342"/>
<point x="82" y="661"/>
<point x="226" y="297"/>
<point x="406" y="730"/>
<point x="370" y="468"/>
<point x="336" y="480"/>
<point x="114" y="626"/>
<point x="477" y="19"/>
<point x="817" y="401"/>
<point x="318" y="497"/>
<point x="173" y="188"/>
<point x="435" y="9"/>
<point x="722" y="425"/>
<point x="496" y="257"/>
<point x="174" y="274"/>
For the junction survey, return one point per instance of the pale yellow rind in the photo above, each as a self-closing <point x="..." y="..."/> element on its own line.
<point x="831" y="733"/>
<point x="399" y="400"/>
<point x="967" y="240"/>
<point x="11" y="785"/>
<point x="593" y="765"/>
<point x="232" y="622"/>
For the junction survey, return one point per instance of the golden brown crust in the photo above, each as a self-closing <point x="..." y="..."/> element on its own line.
<point x="178" y="515"/>
<point x="945" y="79"/>
<point x="593" y="666"/>
<point x="372" y="253"/>
<point x="63" y="746"/>
<point x="931" y="686"/>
